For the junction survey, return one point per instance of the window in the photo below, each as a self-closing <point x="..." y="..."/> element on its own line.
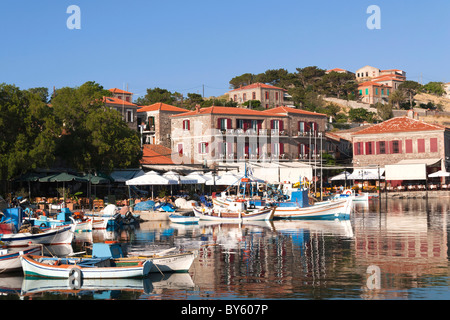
<point x="127" y="99"/>
<point x="244" y="97"/>
<point x="367" y="91"/>
<point x="369" y="148"/>
<point x="276" y="125"/>
<point x="129" y="115"/>
<point x="203" y="147"/>
<point x="396" y="146"/>
<point x="223" y="124"/>
<point x="408" y="146"/>
<point x="267" y="106"/>
<point x="387" y="91"/>
<point x="253" y="95"/>
<point x="360" y="92"/>
<point x="186" y="125"/>
<point x="358" y="148"/>
<point x="381" y="147"/>
<point x="276" y="96"/>
<point x="235" y="97"/>
<point x="302" y="126"/>
<point x="267" y="95"/>
<point x="376" y="91"/>
<point x="433" y="145"/>
<point x="421" y="145"/>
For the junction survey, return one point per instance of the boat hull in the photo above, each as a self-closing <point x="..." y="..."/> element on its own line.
<point x="63" y="235"/>
<point x="10" y="261"/>
<point x="222" y="215"/>
<point x="32" y="267"/>
<point x="326" y="210"/>
<point x="173" y="263"/>
<point x="183" y="219"/>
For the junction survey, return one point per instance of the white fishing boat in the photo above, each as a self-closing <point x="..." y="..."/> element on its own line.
<point x="61" y="235"/>
<point x="83" y="268"/>
<point x="362" y="197"/>
<point x="165" y="261"/>
<point x="178" y="218"/>
<point x="9" y="257"/>
<point x="234" y="211"/>
<point x="298" y="207"/>
<point x="320" y="210"/>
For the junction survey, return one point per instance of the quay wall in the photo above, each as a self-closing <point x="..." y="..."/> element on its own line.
<point x="417" y="194"/>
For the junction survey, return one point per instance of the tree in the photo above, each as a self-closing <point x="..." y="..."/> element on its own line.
<point x="384" y="110"/>
<point x="436" y="88"/>
<point x="396" y="98"/>
<point x="308" y="77"/>
<point x="361" y="115"/>
<point x="27" y="131"/>
<point x="410" y="88"/>
<point x="242" y="80"/>
<point x="159" y="95"/>
<point x="338" y="84"/>
<point x="95" y="137"/>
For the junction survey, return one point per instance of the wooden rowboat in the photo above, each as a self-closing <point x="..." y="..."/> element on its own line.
<point x="9" y="258"/>
<point x="83" y="268"/>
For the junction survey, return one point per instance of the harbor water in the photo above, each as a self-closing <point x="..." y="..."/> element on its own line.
<point x="390" y="249"/>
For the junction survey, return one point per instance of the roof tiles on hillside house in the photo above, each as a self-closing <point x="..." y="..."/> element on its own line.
<point x="400" y="124"/>
<point x="258" y="85"/>
<point x="286" y="110"/>
<point x="161" y="106"/>
<point x="116" y="101"/>
<point x="156" y="154"/>
<point x="222" y="110"/>
<point x="118" y="91"/>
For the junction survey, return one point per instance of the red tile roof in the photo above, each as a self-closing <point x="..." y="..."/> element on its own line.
<point x="372" y="83"/>
<point x="156" y="154"/>
<point x="258" y="85"/>
<point x="116" y="101"/>
<point x="223" y="110"/>
<point x="389" y="77"/>
<point x="400" y="124"/>
<point x="336" y="70"/>
<point x="115" y="90"/>
<point x="286" y="110"/>
<point x="161" y="106"/>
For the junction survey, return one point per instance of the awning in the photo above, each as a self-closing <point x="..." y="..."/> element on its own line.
<point x="125" y="175"/>
<point x="414" y="169"/>
<point x="367" y="174"/>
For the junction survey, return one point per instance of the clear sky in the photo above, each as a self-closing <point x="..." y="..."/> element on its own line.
<point x="183" y="45"/>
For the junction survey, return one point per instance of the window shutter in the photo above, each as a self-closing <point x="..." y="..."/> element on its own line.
<point x="219" y="124"/>
<point x="228" y="123"/>
<point x="281" y="125"/>
<point x="281" y="148"/>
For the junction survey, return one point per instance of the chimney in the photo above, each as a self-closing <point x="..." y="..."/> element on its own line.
<point x="197" y="108"/>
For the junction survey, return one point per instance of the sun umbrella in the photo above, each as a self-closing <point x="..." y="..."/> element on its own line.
<point x="62" y="177"/>
<point x="150" y="179"/>
<point x="171" y="175"/>
<point x="341" y="176"/>
<point x="227" y="179"/>
<point x="439" y="173"/>
<point x="200" y="177"/>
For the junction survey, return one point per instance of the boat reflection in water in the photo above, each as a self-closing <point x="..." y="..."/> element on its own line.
<point x="32" y="287"/>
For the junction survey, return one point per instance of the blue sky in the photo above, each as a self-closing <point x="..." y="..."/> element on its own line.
<point x="182" y="45"/>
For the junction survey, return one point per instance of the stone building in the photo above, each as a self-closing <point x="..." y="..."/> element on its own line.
<point x="402" y="142"/>
<point x="270" y="96"/>
<point x="121" y="101"/>
<point x="156" y="123"/>
<point x="218" y="134"/>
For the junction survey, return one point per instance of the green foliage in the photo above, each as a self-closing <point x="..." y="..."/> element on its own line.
<point x="253" y="103"/>
<point x="27" y="131"/>
<point x="159" y="95"/>
<point x="95" y="136"/>
<point x="361" y="115"/>
<point x="384" y="111"/>
<point x="436" y="88"/>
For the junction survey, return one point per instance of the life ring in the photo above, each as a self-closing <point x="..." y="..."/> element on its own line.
<point x="348" y="192"/>
<point x="43" y="225"/>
